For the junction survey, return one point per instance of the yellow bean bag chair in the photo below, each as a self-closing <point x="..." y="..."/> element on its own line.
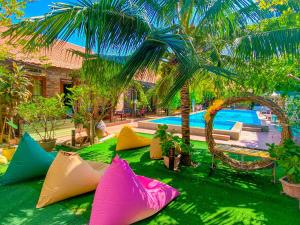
<point x="128" y="139"/>
<point x="68" y="176"/>
<point x="155" y="149"/>
<point x="3" y="160"/>
<point x="8" y="153"/>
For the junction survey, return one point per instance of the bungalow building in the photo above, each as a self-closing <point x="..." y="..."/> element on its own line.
<point x="52" y="70"/>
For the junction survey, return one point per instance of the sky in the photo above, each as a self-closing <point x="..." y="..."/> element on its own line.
<point x="39" y="7"/>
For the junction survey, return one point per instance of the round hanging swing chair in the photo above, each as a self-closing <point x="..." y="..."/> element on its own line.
<point x="217" y="153"/>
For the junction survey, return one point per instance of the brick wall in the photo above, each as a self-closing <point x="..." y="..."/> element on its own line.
<point x="53" y="80"/>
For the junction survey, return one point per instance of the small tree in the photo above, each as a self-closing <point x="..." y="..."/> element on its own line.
<point x="42" y="114"/>
<point x="13" y="91"/>
<point x="90" y="104"/>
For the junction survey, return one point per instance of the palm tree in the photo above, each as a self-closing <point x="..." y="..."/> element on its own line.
<point x="191" y="34"/>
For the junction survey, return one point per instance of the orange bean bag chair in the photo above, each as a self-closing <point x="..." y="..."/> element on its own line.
<point x="128" y="139"/>
<point x="68" y="176"/>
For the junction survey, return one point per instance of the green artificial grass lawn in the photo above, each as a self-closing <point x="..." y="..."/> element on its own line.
<point x="224" y="197"/>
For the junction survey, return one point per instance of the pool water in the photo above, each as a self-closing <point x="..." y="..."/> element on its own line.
<point x="295" y="131"/>
<point x="224" y="120"/>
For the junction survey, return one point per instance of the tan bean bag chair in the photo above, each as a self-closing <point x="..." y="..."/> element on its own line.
<point x="68" y="176"/>
<point x="155" y="149"/>
<point x="128" y="139"/>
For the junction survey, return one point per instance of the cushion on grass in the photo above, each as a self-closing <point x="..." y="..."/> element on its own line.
<point x="128" y="139"/>
<point x="8" y="153"/>
<point x="3" y="160"/>
<point x="29" y="161"/>
<point x="123" y="198"/>
<point x="69" y="176"/>
<point x="155" y="149"/>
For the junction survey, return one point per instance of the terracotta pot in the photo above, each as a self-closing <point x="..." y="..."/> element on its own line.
<point x="186" y="159"/>
<point x="176" y="162"/>
<point x="292" y="190"/>
<point x="48" y="145"/>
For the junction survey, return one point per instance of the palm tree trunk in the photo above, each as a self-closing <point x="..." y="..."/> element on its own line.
<point x="185" y="113"/>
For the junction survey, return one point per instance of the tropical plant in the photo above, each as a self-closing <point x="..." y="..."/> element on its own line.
<point x="170" y="141"/>
<point x="140" y="99"/>
<point x="189" y="35"/>
<point x="10" y="9"/>
<point x="288" y="157"/>
<point x="167" y="140"/>
<point x="13" y="91"/>
<point x="14" y="86"/>
<point x="42" y="115"/>
<point x="90" y="105"/>
<point x="162" y="85"/>
<point x="163" y="136"/>
<point x="292" y="110"/>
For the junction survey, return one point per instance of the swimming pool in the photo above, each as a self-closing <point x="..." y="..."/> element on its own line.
<point x="224" y="120"/>
<point x="295" y="131"/>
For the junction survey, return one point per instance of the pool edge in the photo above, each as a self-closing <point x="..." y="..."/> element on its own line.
<point x="234" y="133"/>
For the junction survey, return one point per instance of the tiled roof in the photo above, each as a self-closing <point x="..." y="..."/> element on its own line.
<point x="58" y="56"/>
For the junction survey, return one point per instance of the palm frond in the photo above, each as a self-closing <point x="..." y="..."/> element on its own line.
<point x="100" y="69"/>
<point x="223" y="17"/>
<point x="105" y="25"/>
<point x="186" y="72"/>
<point x="151" y="51"/>
<point x="265" y="45"/>
<point x="159" y="13"/>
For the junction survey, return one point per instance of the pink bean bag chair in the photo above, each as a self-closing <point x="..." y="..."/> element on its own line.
<point x="124" y="198"/>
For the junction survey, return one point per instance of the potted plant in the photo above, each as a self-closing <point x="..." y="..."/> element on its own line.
<point x="42" y="115"/>
<point x="288" y="157"/>
<point x="170" y="147"/>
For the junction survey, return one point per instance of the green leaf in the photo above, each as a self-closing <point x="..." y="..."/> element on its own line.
<point x="12" y="124"/>
<point x="265" y="45"/>
<point x="105" y="25"/>
<point x="291" y="171"/>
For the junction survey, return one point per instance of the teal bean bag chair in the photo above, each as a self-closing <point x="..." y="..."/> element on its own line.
<point x="29" y="161"/>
